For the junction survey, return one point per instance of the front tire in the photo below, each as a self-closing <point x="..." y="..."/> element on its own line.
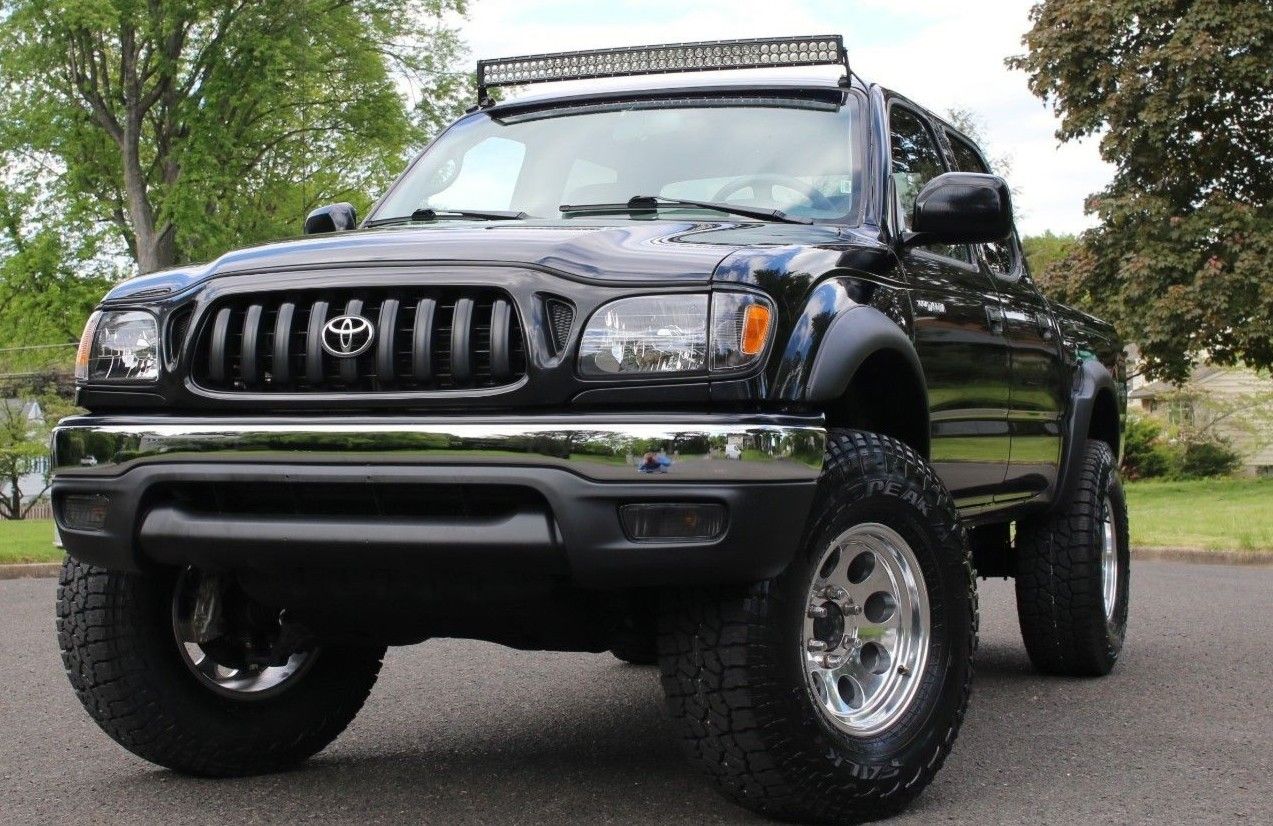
<point x="1073" y="574"/>
<point x="182" y="711"/>
<point x="741" y="666"/>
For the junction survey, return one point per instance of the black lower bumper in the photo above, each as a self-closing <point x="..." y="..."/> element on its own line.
<point x="534" y="497"/>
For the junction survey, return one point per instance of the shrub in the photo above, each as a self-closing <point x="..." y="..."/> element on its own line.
<point x="1145" y="455"/>
<point x="1204" y="458"/>
<point x="1148" y="453"/>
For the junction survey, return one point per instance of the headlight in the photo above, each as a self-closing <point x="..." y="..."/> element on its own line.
<point x="119" y="346"/>
<point x="675" y="334"/>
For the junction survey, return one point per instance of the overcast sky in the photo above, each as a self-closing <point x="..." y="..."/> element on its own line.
<point x="939" y="53"/>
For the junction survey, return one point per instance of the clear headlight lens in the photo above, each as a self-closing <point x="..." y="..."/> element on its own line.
<point x="647" y="334"/>
<point x="119" y="346"/>
<point x="675" y="334"/>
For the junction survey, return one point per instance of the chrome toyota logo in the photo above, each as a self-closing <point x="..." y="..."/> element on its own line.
<point x="346" y="336"/>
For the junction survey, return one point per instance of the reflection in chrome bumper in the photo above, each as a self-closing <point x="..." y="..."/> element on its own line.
<point x="667" y="449"/>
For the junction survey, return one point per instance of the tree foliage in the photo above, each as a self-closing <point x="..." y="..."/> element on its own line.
<point x="1043" y="251"/>
<point x="51" y="275"/>
<point x="189" y="126"/>
<point x="1180" y="93"/>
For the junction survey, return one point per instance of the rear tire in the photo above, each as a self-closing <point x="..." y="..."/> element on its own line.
<point x="741" y="671"/>
<point x="1073" y="574"/>
<point x="123" y="660"/>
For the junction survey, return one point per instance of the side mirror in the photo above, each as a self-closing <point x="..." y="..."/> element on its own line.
<point x="962" y="208"/>
<point x="331" y="218"/>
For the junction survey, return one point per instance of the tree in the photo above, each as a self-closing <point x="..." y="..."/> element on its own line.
<point x="24" y="445"/>
<point x="188" y="126"/>
<point x="1042" y="252"/>
<point x="1179" y="93"/>
<point x="50" y="279"/>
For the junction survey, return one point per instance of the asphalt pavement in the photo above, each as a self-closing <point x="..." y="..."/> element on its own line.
<point x="464" y="732"/>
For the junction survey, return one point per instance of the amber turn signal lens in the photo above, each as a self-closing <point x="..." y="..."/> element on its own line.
<point x="755" y="329"/>
<point x="86" y="345"/>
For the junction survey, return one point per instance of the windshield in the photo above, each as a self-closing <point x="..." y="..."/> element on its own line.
<point x="797" y="156"/>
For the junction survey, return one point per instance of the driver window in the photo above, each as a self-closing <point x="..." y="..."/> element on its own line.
<point x="485" y="175"/>
<point x="916" y="161"/>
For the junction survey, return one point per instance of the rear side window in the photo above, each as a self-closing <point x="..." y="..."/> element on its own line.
<point x="1001" y="256"/>
<point x="916" y="161"/>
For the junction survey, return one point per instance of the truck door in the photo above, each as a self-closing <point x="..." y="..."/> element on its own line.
<point x="1039" y="388"/>
<point x="957" y="335"/>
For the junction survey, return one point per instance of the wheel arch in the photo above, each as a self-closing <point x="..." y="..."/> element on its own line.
<point x="1094" y="414"/>
<point x="867" y="375"/>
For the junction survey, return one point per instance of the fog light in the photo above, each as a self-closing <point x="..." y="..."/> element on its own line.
<point x="667" y="521"/>
<point x="85" y="513"/>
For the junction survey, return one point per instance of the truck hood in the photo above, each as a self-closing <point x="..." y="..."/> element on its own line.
<point x="627" y="251"/>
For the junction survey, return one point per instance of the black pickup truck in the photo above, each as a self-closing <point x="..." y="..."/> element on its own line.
<point x="737" y="373"/>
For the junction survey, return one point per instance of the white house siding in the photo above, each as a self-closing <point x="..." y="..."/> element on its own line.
<point x="1223" y="384"/>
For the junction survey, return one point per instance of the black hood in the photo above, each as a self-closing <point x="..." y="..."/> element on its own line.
<point x="627" y="251"/>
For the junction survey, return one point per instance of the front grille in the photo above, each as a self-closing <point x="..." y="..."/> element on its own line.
<point x="436" y="338"/>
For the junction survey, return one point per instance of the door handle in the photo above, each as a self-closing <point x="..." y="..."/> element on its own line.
<point x="1045" y="325"/>
<point x="994" y="317"/>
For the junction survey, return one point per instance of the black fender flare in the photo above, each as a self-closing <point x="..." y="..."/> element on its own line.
<point x="1090" y="380"/>
<point x="852" y="337"/>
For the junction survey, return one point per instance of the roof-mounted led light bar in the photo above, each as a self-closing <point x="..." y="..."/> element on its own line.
<point x="705" y="56"/>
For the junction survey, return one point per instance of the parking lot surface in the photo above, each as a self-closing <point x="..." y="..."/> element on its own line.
<point x="465" y="732"/>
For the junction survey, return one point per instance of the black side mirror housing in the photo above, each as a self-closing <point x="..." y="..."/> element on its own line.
<point x="962" y="208"/>
<point x="331" y="218"/>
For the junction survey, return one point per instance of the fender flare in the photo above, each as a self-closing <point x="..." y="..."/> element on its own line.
<point x="1091" y="379"/>
<point x="852" y="337"/>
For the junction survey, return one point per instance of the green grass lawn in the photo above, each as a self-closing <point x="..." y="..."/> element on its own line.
<point x="28" y="540"/>
<point x="1216" y="514"/>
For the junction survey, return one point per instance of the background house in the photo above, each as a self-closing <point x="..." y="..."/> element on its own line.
<point x="1234" y="403"/>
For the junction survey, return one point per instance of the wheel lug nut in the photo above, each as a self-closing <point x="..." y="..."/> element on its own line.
<point x="852" y="609"/>
<point x="816" y="645"/>
<point x="817" y="611"/>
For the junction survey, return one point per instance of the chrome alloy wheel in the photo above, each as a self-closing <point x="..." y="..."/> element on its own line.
<point x="866" y="629"/>
<point x="1109" y="560"/>
<point x="196" y="614"/>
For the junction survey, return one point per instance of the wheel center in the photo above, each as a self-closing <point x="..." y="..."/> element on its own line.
<point x="829" y="628"/>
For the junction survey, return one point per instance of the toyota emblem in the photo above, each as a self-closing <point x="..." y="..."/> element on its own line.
<point x="346" y="336"/>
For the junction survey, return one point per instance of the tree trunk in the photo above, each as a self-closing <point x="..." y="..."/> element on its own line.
<point x="14" y="503"/>
<point x="153" y="245"/>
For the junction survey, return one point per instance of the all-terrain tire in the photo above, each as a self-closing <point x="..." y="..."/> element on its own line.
<point x="120" y="653"/>
<point x="733" y="668"/>
<point x="1060" y="581"/>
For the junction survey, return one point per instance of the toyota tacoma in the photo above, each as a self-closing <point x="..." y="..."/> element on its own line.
<point x="742" y="373"/>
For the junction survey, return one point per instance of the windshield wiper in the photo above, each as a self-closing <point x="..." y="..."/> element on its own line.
<point x="646" y="203"/>
<point x="427" y="214"/>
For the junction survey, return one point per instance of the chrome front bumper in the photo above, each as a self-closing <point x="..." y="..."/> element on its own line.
<point x="773" y="449"/>
<point x="764" y="469"/>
